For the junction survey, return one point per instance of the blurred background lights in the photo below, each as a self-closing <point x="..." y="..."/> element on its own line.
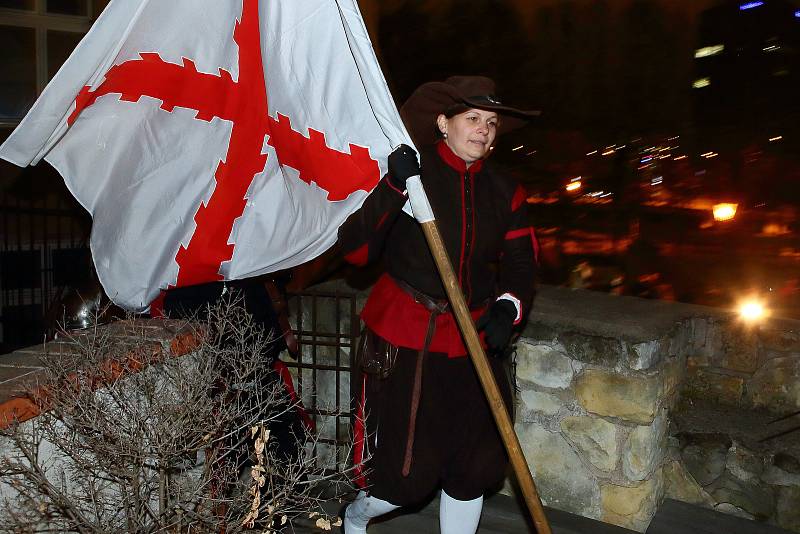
<point x="574" y="184"/>
<point x="701" y="82"/>
<point x="708" y="51"/>
<point x="724" y="211"/>
<point x="750" y="5"/>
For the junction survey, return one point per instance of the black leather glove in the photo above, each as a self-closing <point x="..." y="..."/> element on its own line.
<point x="497" y="323"/>
<point x="403" y="164"/>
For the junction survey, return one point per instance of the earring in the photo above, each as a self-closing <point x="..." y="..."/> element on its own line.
<point x="444" y="134"/>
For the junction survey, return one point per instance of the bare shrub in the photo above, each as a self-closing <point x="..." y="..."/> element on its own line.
<point x="131" y="440"/>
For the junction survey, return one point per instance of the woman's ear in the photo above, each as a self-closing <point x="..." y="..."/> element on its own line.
<point x="441" y="123"/>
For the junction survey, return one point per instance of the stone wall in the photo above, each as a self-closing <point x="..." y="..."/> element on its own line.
<point x="746" y="366"/>
<point x="597" y="376"/>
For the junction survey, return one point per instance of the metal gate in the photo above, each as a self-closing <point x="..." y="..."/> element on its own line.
<point x="327" y="326"/>
<point x="43" y="251"/>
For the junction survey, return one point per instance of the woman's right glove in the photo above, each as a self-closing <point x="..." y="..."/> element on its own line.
<point x="403" y="164"/>
<point x="498" y="323"/>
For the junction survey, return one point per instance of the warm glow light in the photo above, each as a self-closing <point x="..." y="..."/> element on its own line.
<point x="776" y="138"/>
<point x="516" y="148"/>
<point x="752" y="310"/>
<point x="593" y="152"/>
<point x="574" y="186"/>
<point x="708" y="51"/>
<point x="724" y="211"/>
<point x="701" y="82"/>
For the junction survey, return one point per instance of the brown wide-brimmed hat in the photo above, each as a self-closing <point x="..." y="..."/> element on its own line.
<point x="430" y="99"/>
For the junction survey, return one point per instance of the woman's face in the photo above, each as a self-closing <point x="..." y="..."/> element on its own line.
<point x="469" y="134"/>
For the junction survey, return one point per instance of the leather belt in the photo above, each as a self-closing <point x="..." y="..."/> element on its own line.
<point x="436" y="307"/>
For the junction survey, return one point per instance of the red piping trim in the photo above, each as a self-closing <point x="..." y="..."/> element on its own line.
<point x="463" y="233"/>
<point x="389" y="183"/>
<point x="468" y="292"/>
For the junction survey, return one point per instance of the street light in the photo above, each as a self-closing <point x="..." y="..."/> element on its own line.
<point x="752" y="310"/>
<point x="574" y="184"/>
<point x="724" y="211"/>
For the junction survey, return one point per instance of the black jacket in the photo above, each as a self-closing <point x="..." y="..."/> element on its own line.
<point x="482" y="216"/>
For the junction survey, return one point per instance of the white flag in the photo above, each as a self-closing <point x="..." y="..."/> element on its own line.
<point x="213" y="139"/>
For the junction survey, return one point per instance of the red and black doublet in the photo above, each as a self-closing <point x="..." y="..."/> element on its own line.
<point x="483" y="218"/>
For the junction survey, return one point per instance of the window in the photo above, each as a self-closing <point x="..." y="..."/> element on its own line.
<point x="36" y="37"/>
<point x="28" y="5"/>
<point x="17" y="71"/>
<point x="68" y="7"/>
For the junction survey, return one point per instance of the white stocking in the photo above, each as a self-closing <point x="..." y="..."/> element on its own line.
<point x="459" y="517"/>
<point x="361" y="510"/>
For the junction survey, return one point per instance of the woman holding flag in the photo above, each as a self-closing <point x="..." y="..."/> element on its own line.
<point x="423" y="422"/>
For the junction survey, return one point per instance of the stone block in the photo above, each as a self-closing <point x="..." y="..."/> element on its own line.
<point x="776" y="385"/>
<point x="743" y="463"/>
<point x="537" y="331"/>
<point x="532" y="401"/>
<point x="740" y="349"/>
<point x="776" y="476"/>
<point x="632" y="398"/>
<point x="753" y="497"/>
<point x="715" y="342"/>
<point x="594" y="350"/>
<point x="681" y="341"/>
<point x="561" y="477"/>
<point x="594" y="438"/>
<point x="673" y="376"/>
<point x="681" y="486"/>
<point x="787" y="511"/>
<point x="732" y="509"/>
<point x="780" y="340"/>
<point x="712" y="386"/>
<point x="698" y="327"/>
<point x="787" y="462"/>
<point x="632" y="507"/>
<point x="644" y="449"/>
<point x="705" y="456"/>
<point x="645" y="355"/>
<point x="544" y="366"/>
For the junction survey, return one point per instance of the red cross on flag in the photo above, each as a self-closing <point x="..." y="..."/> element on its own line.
<point x="213" y="139"/>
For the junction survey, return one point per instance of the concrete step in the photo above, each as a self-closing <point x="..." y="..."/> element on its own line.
<point x="675" y="517"/>
<point x="501" y="515"/>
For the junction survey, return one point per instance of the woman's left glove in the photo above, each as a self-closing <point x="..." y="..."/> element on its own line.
<point x="403" y="164"/>
<point x="497" y="323"/>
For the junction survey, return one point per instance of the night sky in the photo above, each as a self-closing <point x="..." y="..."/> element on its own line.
<point x="609" y="68"/>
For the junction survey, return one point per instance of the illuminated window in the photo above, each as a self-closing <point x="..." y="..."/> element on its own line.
<point x="708" y="51"/>
<point x="701" y="82"/>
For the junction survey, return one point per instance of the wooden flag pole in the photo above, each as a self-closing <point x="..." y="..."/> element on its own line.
<point x="424" y="214"/>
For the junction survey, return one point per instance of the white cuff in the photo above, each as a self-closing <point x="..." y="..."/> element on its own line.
<point x="515" y="301"/>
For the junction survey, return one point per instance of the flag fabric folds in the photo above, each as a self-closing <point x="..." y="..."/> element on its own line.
<point x="213" y="139"/>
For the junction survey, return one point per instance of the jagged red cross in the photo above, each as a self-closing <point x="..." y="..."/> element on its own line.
<point x="244" y="103"/>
